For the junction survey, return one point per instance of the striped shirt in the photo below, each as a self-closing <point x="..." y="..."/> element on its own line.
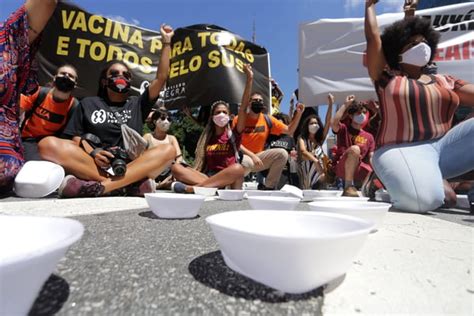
<point x="414" y="111"/>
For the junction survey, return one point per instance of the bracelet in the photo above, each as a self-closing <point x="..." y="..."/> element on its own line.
<point x="166" y="43"/>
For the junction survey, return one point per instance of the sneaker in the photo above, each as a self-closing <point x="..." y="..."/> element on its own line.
<point x="178" y="187"/>
<point x="72" y="187"/>
<point x="350" y="191"/>
<point x="139" y="188"/>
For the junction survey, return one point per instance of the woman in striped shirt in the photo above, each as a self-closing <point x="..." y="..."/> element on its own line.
<point x="416" y="147"/>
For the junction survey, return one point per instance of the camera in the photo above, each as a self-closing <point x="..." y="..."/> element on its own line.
<point x="119" y="162"/>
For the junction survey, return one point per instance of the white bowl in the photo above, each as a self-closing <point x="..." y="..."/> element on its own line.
<point x="257" y="193"/>
<point x="373" y="212"/>
<point x="174" y="205"/>
<point x="309" y="195"/>
<point x="462" y="201"/>
<point x="205" y="191"/>
<point x="343" y="198"/>
<point x="231" y="195"/>
<point x="38" y="178"/>
<point x="30" y="248"/>
<point x="382" y="196"/>
<point x="295" y="191"/>
<point x="273" y="202"/>
<point x="293" y="252"/>
<point x="283" y="194"/>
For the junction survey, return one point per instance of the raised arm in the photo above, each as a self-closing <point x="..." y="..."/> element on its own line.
<point x="410" y="7"/>
<point x="242" y="117"/>
<point x="38" y="12"/>
<point x="327" y="123"/>
<point x="296" y="120"/>
<point x="375" y="58"/>
<point x="340" y="113"/>
<point x="164" y="66"/>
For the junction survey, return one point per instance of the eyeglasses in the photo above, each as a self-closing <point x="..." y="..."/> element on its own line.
<point x="126" y="74"/>
<point x="67" y="74"/>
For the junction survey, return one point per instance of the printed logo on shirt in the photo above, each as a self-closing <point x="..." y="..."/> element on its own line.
<point x="360" y="140"/>
<point x="98" y="116"/>
<point x="256" y="129"/>
<point x="217" y="147"/>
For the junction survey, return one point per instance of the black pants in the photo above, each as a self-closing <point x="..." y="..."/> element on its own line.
<point x="31" y="149"/>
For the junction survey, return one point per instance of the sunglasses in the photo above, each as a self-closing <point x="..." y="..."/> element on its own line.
<point x="164" y="117"/>
<point x="116" y="73"/>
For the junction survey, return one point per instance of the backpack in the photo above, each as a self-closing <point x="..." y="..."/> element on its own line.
<point x="39" y="100"/>
<point x="268" y="120"/>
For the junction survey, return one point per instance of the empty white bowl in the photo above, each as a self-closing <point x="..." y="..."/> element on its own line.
<point x="30" y="248"/>
<point x="273" y="202"/>
<point x="205" y="191"/>
<point x="309" y="195"/>
<point x="373" y="212"/>
<point x="382" y="196"/>
<point x="343" y="198"/>
<point x="174" y="205"/>
<point x="293" y="190"/>
<point x="293" y="252"/>
<point x="257" y="193"/>
<point x="462" y="201"/>
<point x="231" y="195"/>
<point x="38" y="178"/>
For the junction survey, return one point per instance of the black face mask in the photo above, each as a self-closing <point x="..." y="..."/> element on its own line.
<point x="118" y="84"/>
<point x="64" y="84"/>
<point x="257" y="107"/>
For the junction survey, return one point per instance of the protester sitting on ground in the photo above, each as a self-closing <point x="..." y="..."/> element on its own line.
<point x="99" y="119"/>
<point x="217" y="162"/>
<point x="287" y="142"/>
<point x="313" y="163"/>
<point x="416" y="149"/>
<point x="18" y="47"/>
<point x="159" y="125"/>
<point x="258" y="127"/>
<point x="48" y="110"/>
<point x="355" y="146"/>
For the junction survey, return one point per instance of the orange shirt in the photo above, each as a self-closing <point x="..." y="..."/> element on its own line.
<point x="48" y="118"/>
<point x="256" y="132"/>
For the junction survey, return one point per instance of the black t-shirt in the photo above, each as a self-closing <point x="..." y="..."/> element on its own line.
<point x="282" y="141"/>
<point x="94" y="115"/>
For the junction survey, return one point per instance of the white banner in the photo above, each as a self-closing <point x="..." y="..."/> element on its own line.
<point x="331" y="54"/>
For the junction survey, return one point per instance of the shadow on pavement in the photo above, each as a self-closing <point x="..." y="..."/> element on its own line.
<point x="51" y="298"/>
<point x="211" y="270"/>
<point x="451" y="211"/>
<point x="150" y="214"/>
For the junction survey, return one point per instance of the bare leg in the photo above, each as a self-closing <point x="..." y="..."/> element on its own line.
<point x="232" y="175"/>
<point x="186" y="175"/>
<point x="71" y="157"/>
<point x="149" y="165"/>
<point x="352" y="162"/>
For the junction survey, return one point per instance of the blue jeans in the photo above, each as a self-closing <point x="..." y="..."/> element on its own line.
<point x="413" y="173"/>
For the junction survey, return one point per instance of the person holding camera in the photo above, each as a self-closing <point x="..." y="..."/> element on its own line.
<point x="355" y="147"/>
<point x="258" y="127"/>
<point x="97" y="142"/>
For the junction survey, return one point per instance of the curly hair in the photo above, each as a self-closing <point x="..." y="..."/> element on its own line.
<point x="398" y="34"/>
<point x="305" y="131"/>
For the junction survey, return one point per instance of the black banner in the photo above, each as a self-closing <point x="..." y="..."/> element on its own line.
<point x="89" y="41"/>
<point x="207" y="65"/>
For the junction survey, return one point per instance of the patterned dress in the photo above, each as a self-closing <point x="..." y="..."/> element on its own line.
<point x="307" y="171"/>
<point x="17" y="75"/>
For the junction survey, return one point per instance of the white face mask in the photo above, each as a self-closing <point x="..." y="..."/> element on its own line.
<point x="359" y="119"/>
<point x="419" y="55"/>
<point x="221" y="119"/>
<point x="163" y="125"/>
<point x="313" y="128"/>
